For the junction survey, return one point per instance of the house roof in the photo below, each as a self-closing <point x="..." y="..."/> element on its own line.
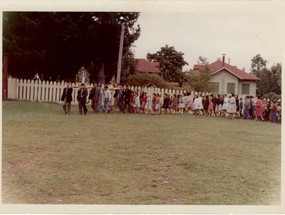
<point x="198" y="66"/>
<point x="218" y="66"/>
<point x="142" y="65"/>
<point x="156" y="64"/>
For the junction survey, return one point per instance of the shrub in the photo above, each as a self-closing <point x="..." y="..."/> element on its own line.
<point x="140" y="79"/>
<point x="271" y="96"/>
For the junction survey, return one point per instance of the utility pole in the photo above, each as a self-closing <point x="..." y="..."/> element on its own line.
<point x="118" y="79"/>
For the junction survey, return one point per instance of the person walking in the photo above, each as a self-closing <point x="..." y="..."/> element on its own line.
<point x="225" y="105"/>
<point x="246" y="108"/>
<point x="91" y="97"/>
<point x="121" y="100"/>
<point x="127" y="96"/>
<point x="231" y="109"/>
<point x="273" y="111"/>
<point x="82" y="98"/>
<point x="67" y="98"/>
<point x="241" y="107"/>
<point x="264" y="109"/>
<point x="211" y="106"/>
<point x="107" y="99"/>
<point x="258" y="109"/>
<point x="98" y="98"/>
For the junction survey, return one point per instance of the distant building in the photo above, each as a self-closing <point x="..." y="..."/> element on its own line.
<point x="229" y="79"/>
<point x="144" y="66"/>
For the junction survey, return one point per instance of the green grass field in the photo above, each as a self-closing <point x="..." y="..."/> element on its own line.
<point x="136" y="159"/>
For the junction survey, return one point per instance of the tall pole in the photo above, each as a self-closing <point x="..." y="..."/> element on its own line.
<point x="5" y="77"/>
<point x="118" y="79"/>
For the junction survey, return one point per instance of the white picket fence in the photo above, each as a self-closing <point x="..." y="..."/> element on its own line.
<point x="48" y="91"/>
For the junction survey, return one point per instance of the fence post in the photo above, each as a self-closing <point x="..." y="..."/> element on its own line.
<point x="12" y="88"/>
<point x="42" y="91"/>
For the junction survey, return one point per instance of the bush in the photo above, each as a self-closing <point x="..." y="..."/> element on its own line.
<point x="144" y="79"/>
<point x="271" y="96"/>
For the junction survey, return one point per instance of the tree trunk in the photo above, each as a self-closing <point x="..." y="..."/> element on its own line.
<point x="101" y="74"/>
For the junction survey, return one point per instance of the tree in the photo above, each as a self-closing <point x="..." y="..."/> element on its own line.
<point x="171" y="63"/>
<point x="59" y="43"/>
<point x="270" y="79"/>
<point x="276" y="76"/>
<point x="128" y="66"/>
<point x="139" y="79"/>
<point x="201" y="81"/>
<point x="257" y="64"/>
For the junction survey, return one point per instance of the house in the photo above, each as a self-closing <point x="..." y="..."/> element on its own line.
<point x="144" y="66"/>
<point x="230" y="79"/>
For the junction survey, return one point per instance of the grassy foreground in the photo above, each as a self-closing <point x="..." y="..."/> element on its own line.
<point x="136" y="159"/>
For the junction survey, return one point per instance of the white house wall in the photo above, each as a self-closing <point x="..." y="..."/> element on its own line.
<point x="223" y="78"/>
<point x="252" y="88"/>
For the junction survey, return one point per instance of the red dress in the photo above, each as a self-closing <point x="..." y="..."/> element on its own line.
<point x="258" y="108"/>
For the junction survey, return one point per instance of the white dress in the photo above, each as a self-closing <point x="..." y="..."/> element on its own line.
<point x="232" y="105"/>
<point x="195" y="104"/>
<point x="148" y="103"/>
<point x="137" y="101"/>
<point x="200" y="105"/>
<point x="226" y="103"/>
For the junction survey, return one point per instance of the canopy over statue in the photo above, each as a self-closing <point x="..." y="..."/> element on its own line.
<point x="82" y="76"/>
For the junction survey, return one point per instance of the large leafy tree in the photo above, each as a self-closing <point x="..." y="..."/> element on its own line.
<point x="257" y="64"/>
<point x="171" y="63"/>
<point x="59" y="43"/>
<point x="200" y="81"/>
<point x="128" y="66"/>
<point x="270" y="79"/>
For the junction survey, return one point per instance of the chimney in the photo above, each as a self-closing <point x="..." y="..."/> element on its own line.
<point x="229" y="61"/>
<point x="224" y="59"/>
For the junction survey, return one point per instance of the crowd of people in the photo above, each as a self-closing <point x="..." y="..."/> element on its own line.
<point x="230" y="106"/>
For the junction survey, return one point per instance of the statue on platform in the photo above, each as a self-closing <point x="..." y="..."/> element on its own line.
<point x="82" y="76"/>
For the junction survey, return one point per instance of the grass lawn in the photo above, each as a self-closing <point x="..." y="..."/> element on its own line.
<point x="136" y="159"/>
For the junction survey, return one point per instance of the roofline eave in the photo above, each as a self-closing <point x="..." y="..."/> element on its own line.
<point x="228" y="71"/>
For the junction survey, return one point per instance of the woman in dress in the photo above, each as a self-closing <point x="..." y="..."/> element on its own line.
<point x="258" y="109"/>
<point x="211" y="106"/>
<point x="174" y="103"/>
<point x="190" y="102"/>
<point x="195" y="105"/>
<point x="225" y="105"/>
<point x="264" y="109"/>
<point x="231" y="109"/>
<point x="137" y="103"/>
<point x="181" y="105"/>
<point x="148" y="105"/>
<point x="200" y="105"/>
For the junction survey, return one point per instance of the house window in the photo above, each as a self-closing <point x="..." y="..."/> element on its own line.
<point x="231" y="88"/>
<point x="216" y="87"/>
<point x="245" y="88"/>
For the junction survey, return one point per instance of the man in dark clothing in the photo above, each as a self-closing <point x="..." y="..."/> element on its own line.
<point x="67" y="98"/>
<point x="251" y="107"/>
<point x="214" y="100"/>
<point x="119" y="95"/>
<point x="95" y="97"/>
<point x="98" y="98"/>
<point x="268" y="103"/>
<point x="127" y="95"/>
<point x="246" y="108"/>
<point x="81" y="98"/>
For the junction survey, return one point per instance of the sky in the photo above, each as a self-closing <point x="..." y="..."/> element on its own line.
<point x="238" y="30"/>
